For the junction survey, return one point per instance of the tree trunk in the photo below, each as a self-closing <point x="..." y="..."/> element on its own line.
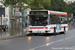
<point x="13" y="23"/>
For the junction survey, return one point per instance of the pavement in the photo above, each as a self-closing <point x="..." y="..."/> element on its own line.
<point x="7" y="35"/>
<point x="58" y="42"/>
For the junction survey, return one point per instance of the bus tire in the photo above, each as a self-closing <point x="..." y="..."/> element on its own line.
<point x="54" y="30"/>
<point x="4" y="30"/>
<point x="64" y="30"/>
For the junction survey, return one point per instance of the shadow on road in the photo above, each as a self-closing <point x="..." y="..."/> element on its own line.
<point x="44" y="34"/>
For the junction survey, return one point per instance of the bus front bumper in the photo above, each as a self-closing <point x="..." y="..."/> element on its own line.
<point x="46" y="31"/>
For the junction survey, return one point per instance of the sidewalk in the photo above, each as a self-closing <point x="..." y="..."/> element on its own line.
<point x="6" y="35"/>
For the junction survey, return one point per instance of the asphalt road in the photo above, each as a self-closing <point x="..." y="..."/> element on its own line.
<point x="58" y="42"/>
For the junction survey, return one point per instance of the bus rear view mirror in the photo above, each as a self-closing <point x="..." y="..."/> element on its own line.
<point x="45" y="15"/>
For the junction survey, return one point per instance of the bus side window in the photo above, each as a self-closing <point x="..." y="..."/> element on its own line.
<point x="61" y="20"/>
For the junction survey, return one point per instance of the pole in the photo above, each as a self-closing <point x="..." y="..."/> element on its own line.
<point x="71" y="15"/>
<point x="1" y="21"/>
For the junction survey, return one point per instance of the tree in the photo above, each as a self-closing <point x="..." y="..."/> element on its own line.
<point x="72" y="5"/>
<point x="6" y="3"/>
<point x="59" y="5"/>
<point x="38" y="4"/>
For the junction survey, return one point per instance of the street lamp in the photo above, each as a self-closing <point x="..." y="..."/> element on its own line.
<point x="1" y="20"/>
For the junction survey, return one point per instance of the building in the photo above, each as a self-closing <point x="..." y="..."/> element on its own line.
<point x="69" y="1"/>
<point x="4" y="11"/>
<point x="20" y="16"/>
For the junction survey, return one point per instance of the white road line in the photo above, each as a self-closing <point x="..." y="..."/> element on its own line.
<point x="51" y="43"/>
<point x="69" y="37"/>
<point x="73" y="46"/>
<point x="59" y="40"/>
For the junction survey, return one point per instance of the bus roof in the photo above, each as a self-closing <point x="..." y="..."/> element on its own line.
<point x="49" y="11"/>
<point x="53" y="12"/>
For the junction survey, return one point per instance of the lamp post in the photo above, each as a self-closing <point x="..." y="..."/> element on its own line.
<point x="1" y="19"/>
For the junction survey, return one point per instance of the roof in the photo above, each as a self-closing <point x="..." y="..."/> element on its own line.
<point x="53" y="12"/>
<point x="50" y="11"/>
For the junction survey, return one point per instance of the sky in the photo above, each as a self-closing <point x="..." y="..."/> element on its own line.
<point x="0" y="4"/>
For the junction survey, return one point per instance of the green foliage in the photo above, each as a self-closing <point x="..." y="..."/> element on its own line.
<point x="69" y="16"/>
<point x="14" y="3"/>
<point x="72" y="5"/>
<point x="38" y="4"/>
<point x="1" y="6"/>
<point x="59" y="5"/>
<point x="55" y="5"/>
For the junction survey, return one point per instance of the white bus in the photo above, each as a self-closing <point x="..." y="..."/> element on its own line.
<point x="46" y="21"/>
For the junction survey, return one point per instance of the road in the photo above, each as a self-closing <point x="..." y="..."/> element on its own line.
<point x="58" y="42"/>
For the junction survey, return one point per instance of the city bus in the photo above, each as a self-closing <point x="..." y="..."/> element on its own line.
<point x="46" y="21"/>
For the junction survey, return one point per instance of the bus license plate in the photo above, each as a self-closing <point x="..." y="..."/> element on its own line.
<point x="38" y="31"/>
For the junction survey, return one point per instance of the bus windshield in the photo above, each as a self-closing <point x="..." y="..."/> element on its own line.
<point x="38" y="20"/>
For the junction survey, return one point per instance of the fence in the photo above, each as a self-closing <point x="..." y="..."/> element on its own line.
<point x="71" y="26"/>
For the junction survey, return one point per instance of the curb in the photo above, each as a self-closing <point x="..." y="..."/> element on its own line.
<point x="11" y="37"/>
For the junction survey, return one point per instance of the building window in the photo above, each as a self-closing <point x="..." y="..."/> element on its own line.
<point x="2" y="12"/>
<point x="69" y="2"/>
<point x="65" y="0"/>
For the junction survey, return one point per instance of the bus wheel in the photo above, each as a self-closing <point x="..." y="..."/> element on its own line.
<point x="62" y="32"/>
<point x="54" y="30"/>
<point x="64" y="29"/>
<point x="4" y="30"/>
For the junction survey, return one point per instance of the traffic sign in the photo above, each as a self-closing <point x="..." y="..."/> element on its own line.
<point x="2" y="15"/>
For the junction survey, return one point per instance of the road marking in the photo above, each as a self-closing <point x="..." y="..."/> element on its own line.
<point x="69" y="37"/>
<point x="73" y="47"/>
<point x="51" y="43"/>
<point x="59" y="40"/>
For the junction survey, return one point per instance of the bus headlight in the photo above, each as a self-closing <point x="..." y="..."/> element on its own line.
<point x="29" y="29"/>
<point x="48" y="29"/>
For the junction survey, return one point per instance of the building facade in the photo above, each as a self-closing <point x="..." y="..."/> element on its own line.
<point x="4" y="11"/>
<point x="69" y="1"/>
